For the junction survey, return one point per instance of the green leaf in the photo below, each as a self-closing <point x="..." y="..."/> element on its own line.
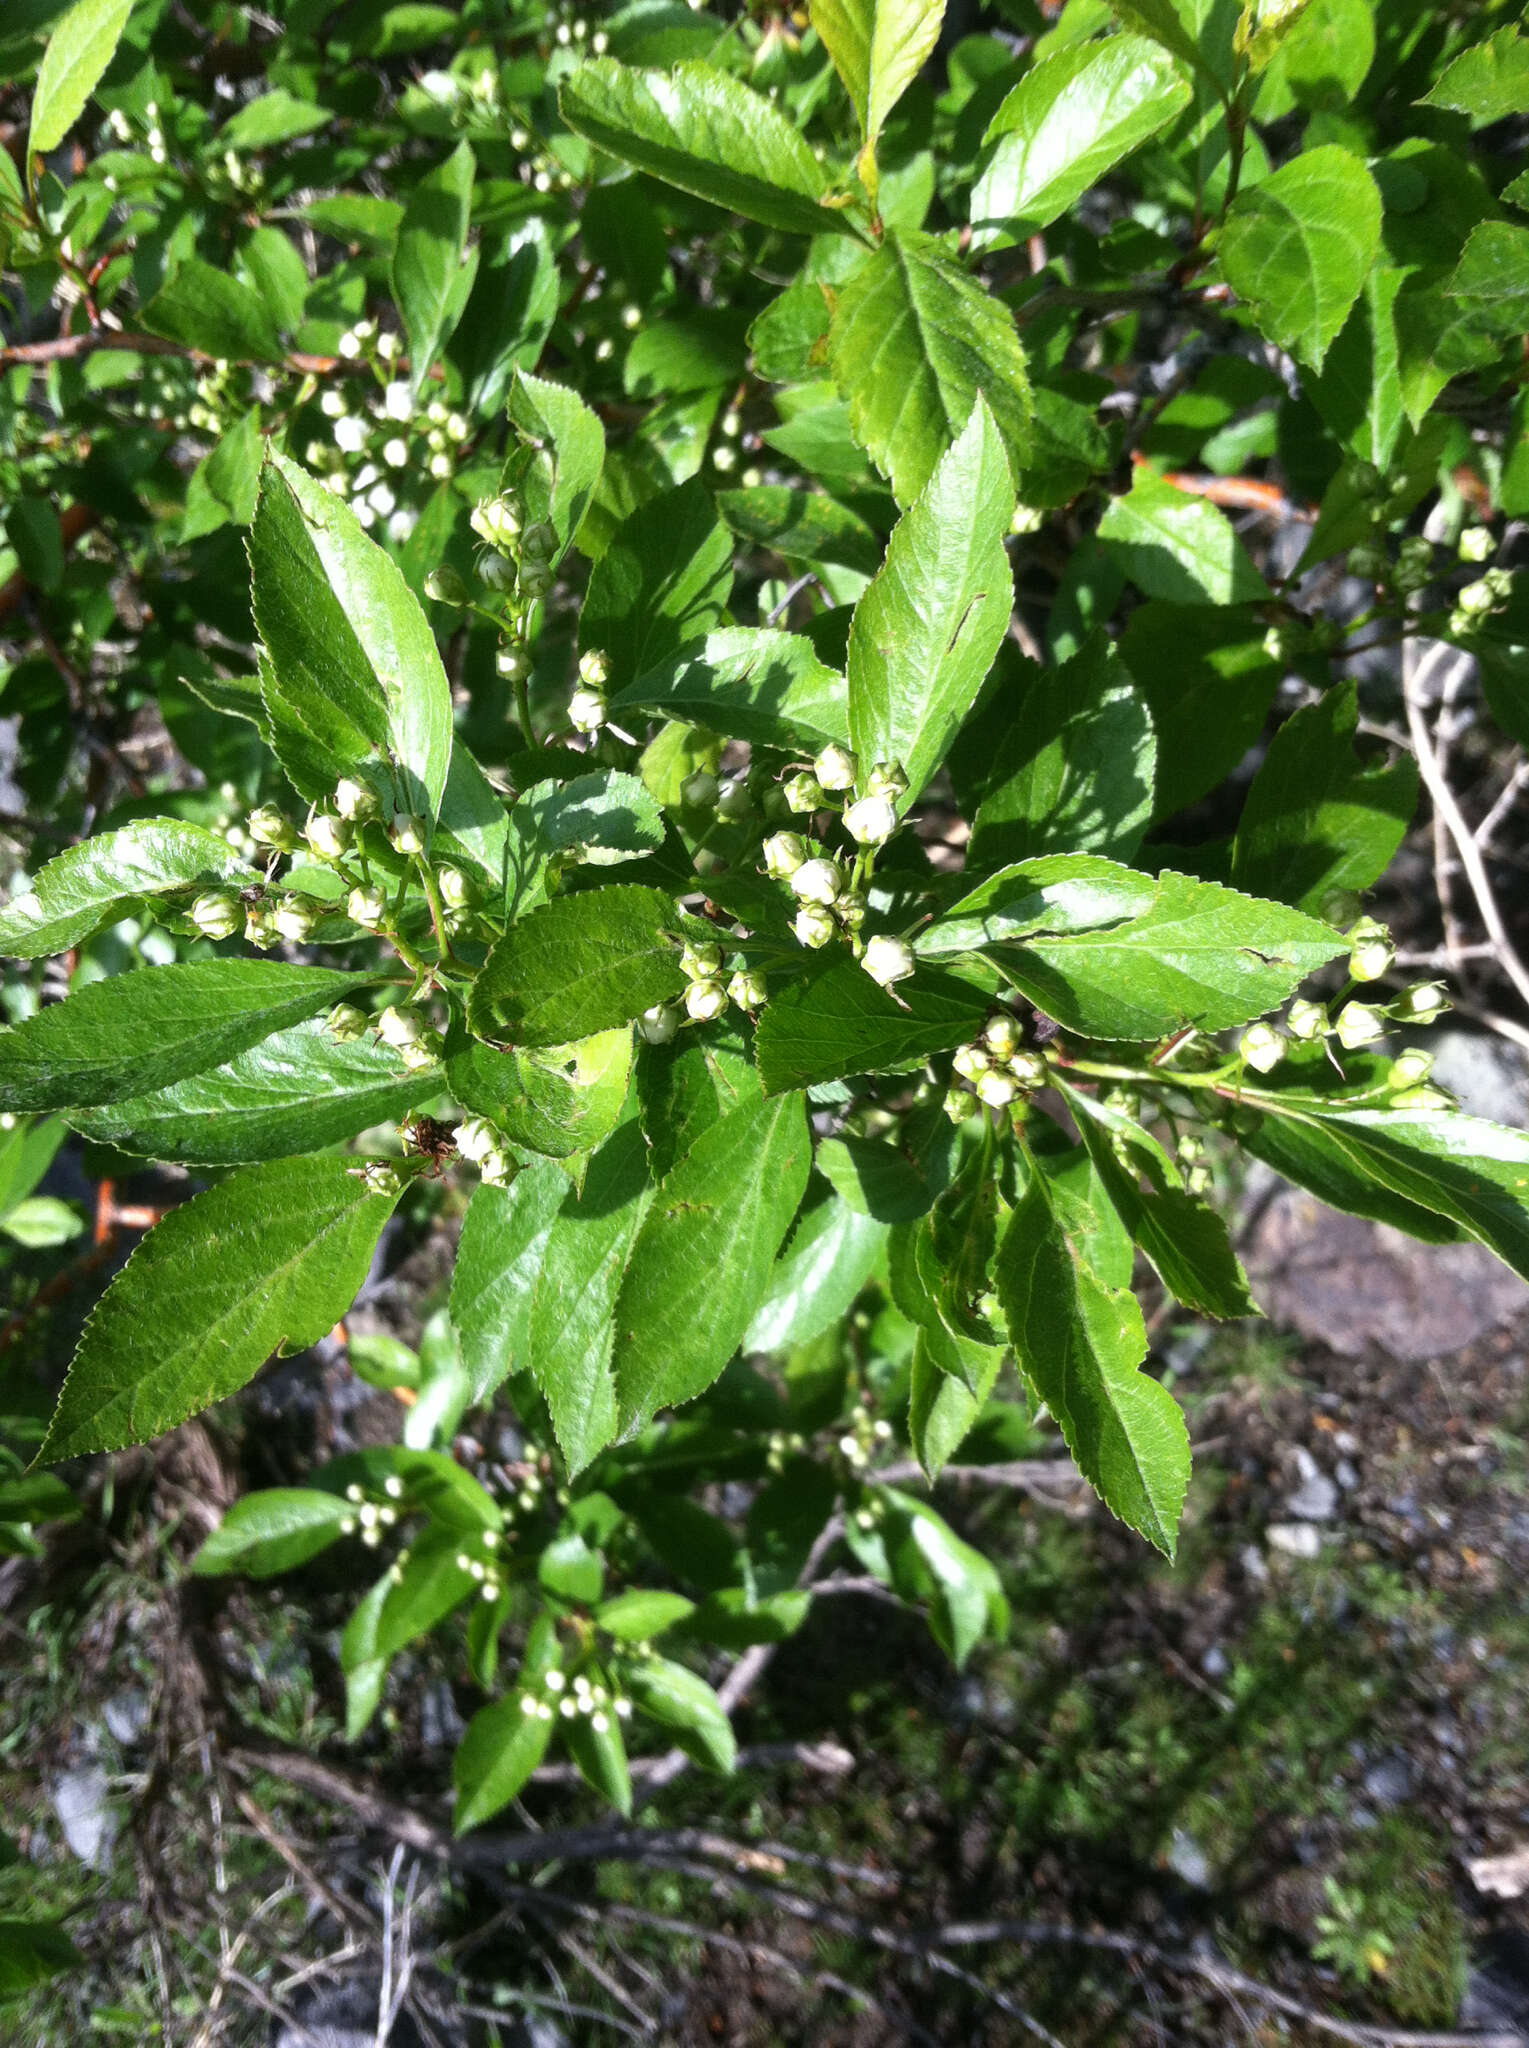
<point x="578" y="965"/>
<point x="912" y="344"/>
<point x="568" y="441"/>
<point x="267" y="1261"/>
<point x="1490" y="284"/>
<point x="1075" y="768"/>
<point x="327" y="598"/>
<point x="141" y="1031"/>
<point x="1298" y="247"/>
<point x="841" y="1023"/>
<point x="1474" y="1173"/>
<point x="273" y="1531"/>
<point x="891" y="1183"/>
<point x="686" y="1087"/>
<point x="98" y="881"/>
<point x="1081" y="1344"/>
<point x="559" y="1102"/>
<point x="600" y="819"/>
<point x="929" y="1561"/>
<point x="276" y="116"/>
<point x="638" y="1616"/>
<point x="878" y="48"/>
<point x="1179" y="547"/>
<point x="1489" y="82"/>
<point x="709" y="134"/>
<point x="32" y="1951"/>
<point x="42" y="1220"/>
<point x="26" y="1152"/>
<point x="1209" y="681"/>
<point x="79" y="50"/>
<point x="802" y="526"/>
<point x="817" y="1277"/>
<point x="748" y="683"/>
<point x="600" y="1755"/>
<point x="502" y="1747"/>
<point x="432" y="1583"/>
<point x="299" y="1090"/>
<point x="926" y="631"/>
<point x="428" y="258"/>
<point x="663" y="580"/>
<point x="225" y="485"/>
<point x="507" y="318"/>
<point x="941" y="1408"/>
<point x="1071" y="118"/>
<point x="1317" y="817"/>
<point x="36" y="1497"/>
<point x="680" y="1701"/>
<point x="503" y="1242"/>
<point x="1169" y="22"/>
<point x="571" y="1571"/>
<point x="701" y="1263"/>
<point x="204" y="308"/>
<point x="1114" y="954"/>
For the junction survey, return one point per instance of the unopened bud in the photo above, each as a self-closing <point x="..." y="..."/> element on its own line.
<point x="803" y="793"/>
<point x="259" y="928"/>
<point x="1410" y="1067"/>
<point x="784" y="853"/>
<point x="1372" y="950"/>
<point x="1359" y="1025"/>
<point x="296" y="916"/>
<point x="367" y="908"/>
<point x="849" y="907"/>
<point x="216" y="916"/>
<point x="970" y="1061"/>
<point x="814" y="925"/>
<point x="748" y="988"/>
<point x="699" y="789"/>
<point x="328" y="835"/>
<point x="734" y="801"/>
<point x="1029" y="1070"/>
<point x="496" y="572"/>
<point x="513" y="663"/>
<point x="1422" y="1098"/>
<point x="1263" y="1047"/>
<point x="1001" y="1037"/>
<point x="357" y="801"/>
<point x="535" y="579"/>
<point x="659" y="1024"/>
<point x="887" y="959"/>
<point x="1422" y="1003"/>
<point x="958" y="1105"/>
<point x="446" y="586"/>
<point x="871" y="821"/>
<point x="595" y="667"/>
<point x="996" y="1089"/>
<point x="270" y="827"/>
<point x="456" y="892"/>
<point x="817" y="881"/>
<point x="407" y="832"/>
<point x="1477" y="544"/>
<point x="424" y="1052"/>
<point x="702" y="962"/>
<point x="346" y="1023"/>
<point x="705" y="1000"/>
<point x="538" y="543"/>
<point x="836" y="768"/>
<point x="1369" y="563"/>
<point x="497" y="520"/>
<point x="399" y="1026"/>
<point x="1340" y="907"/>
<point x="586" y="710"/>
<point x="887" y="778"/>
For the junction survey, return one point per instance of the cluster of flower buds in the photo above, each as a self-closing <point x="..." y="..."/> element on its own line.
<point x="587" y="1697"/>
<point x="411" y="1035"/>
<point x="479" y="1143"/>
<point x="871" y="818"/>
<point x="484" y="1571"/>
<point x="705" y="997"/>
<point x="997" y="1067"/>
<point x="1478" y="600"/>
<point x="780" y="1445"/>
<point x="372" y="1518"/>
<point x="861" y="1441"/>
<point x="871" y="1513"/>
<point x="1263" y="1045"/>
<point x="828" y="906"/>
<point x="527" y="1499"/>
<point x="372" y="453"/>
<point x="587" y="705"/>
<point x="1371" y="950"/>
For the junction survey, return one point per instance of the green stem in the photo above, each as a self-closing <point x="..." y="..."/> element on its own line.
<point x="437" y="911"/>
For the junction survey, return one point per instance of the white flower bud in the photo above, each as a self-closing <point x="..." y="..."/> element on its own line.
<point x="701" y="963"/>
<point x="803" y="793"/>
<point x="328" y="835"/>
<point x="1422" y="1003"/>
<point x="958" y="1105"/>
<point x="496" y="520"/>
<point x="705" y="1000"/>
<point x="296" y="916"/>
<point x="476" y="1138"/>
<point x="389" y="347"/>
<point x="497" y="1168"/>
<point x="356" y="800"/>
<point x="456" y="892"/>
<point x="1422" y="1098"/>
<point x="886" y="959"/>
<point x="395" y="452"/>
<point x="659" y="1024"/>
<point x="595" y="668"/>
<point x="1029" y="1070"/>
<point x="513" y="663"/>
<point x="1372" y="950"/>
<point x="1410" y="1067"/>
<point x="849" y="907"/>
<point x="887" y="778"/>
<point x="268" y="827"/>
<point x="836" y="768"/>
<point x="996" y="1089"/>
<point x="392" y="1486"/>
<point x="817" y="881"/>
<point x="699" y="790"/>
<point x="217" y="916"/>
<point x="784" y="853"/>
<point x="1001" y="1037"/>
<point x="350" y="434"/>
<point x="440" y="466"/>
<point x="970" y="1061"/>
<point x="555" y="1681"/>
<point x="1263" y="1046"/>
<point x="748" y="988"/>
<point x="1359" y="1025"/>
<point x="586" y="710"/>
<point x="407" y="832"/>
<point x="349" y="344"/>
<point x="399" y="1026"/>
<point x="871" y="821"/>
<point x="814" y="925"/>
<point x="346" y="1023"/>
<point x="367" y="908"/>
<point x="734" y="801"/>
<point x="1477" y="544"/>
<point x="1306" y="1020"/>
<point x="398" y="401"/>
<point x="426" y="1050"/>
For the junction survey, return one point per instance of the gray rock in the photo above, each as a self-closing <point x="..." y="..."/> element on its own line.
<point x="1295" y="1539"/>
<point x="89" y="1825"/>
<point x="1316" y="1501"/>
<point x="1188" y="1861"/>
<point x="126" y="1715"/>
<point x="1489" y="1075"/>
<point x="1390" y="1782"/>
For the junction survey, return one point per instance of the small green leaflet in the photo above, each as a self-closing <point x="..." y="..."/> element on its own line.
<point x="941" y="1408"/>
<point x="502" y="1747"/>
<point x="1081" y="1344"/>
<point x="577" y="965"/>
<point x="504" y="1238"/>
<point x="1490" y="285"/>
<point x="802" y="526"/>
<point x="1071" y="118"/>
<point x="878" y="48"/>
<point x="663" y="581"/>
<point x="1113" y="954"/>
<point x="96" y="882"/>
<point x="1317" y="817"/>
<point x="431" y="271"/>
<point x="706" y="132"/>
<point x="912" y="344"/>
<point x="568" y="441"/>
<point x="1179" y="547"/>
<point x="267" y="1261"/>
<point x="273" y="1531"/>
<point x="748" y="683"/>
<point x="1488" y="82"/>
<point x="1298" y="247"/>
<point x="205" y="308"/>
<point x="817" y="1277"/>
<point x="841" y="1023"/>
<point x="276" y="116"/>
<point x="224" y="487"/>
<point x="299" y="1090"/>
<point x="686" y="1705"/>
<point x="142" y="1031"/>
<point x="703" y="1258"/>
<point x="926" y="631"/>
<point x="32" y="1951"/>
<point x="79" y="50"/>
<point x="369" y="613"/>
